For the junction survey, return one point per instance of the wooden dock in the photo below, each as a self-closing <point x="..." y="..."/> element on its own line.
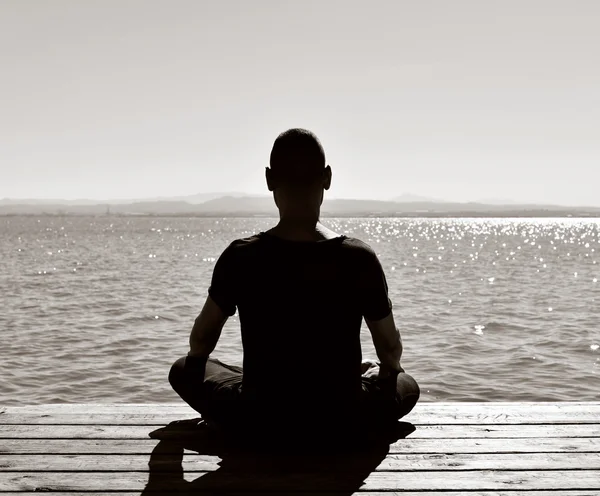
<point x="527" y="449"/>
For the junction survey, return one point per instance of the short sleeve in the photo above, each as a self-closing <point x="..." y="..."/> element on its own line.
<point x="222" y="285"/>
<point x="375" y="301"/>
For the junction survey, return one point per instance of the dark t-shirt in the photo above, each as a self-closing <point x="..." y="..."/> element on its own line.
<point x="300" y="307"/>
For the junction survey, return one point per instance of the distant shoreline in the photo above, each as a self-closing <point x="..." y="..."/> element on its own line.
<point x="399" y="215"/>
<point x="263" y="206"/>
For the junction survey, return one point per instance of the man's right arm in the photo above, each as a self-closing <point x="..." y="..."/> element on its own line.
<point x="388" y="345"/>
<point x="377" y="312"/>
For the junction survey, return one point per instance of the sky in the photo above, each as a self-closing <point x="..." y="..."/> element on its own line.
<point x="459" y="100"/>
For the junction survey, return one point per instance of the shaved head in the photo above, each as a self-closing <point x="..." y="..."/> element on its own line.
<point x="297" y="158"/>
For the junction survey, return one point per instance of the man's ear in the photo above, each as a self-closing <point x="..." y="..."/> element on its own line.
<point x="269" y="178"/>
<point x="327" y="177"/>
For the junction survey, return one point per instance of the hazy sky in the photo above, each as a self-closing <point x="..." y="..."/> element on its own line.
<point x="458" y="99"/>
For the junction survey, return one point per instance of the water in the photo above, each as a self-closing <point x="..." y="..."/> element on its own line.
<point x="95" y="309"/>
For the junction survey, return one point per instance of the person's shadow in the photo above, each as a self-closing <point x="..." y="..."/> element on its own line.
<point x="258" y="469"/>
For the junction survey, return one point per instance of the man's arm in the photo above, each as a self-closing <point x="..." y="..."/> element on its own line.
<point x="388" y="345"/>
<point x="207" y="330"/>
<point x="377" y="312"/>
<point x="219" y="305"/>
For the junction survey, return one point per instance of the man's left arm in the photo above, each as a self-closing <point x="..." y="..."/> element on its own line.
<point x="207" y="329"/>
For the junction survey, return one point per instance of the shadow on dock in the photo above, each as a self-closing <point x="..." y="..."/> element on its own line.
<point x="259" y="469"/>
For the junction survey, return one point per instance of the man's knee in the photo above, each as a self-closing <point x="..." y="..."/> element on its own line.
<point x="177" y="374"/>
<point x="408" y="392"/>
<point x="407" y="386"/>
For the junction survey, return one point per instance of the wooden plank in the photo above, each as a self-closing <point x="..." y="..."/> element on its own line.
<point x="158" y="420"/>
<point x="117" y="418"/>
<point x="395" y="462"/>
<point x="276" y="482"/>
<point x="446" y="431"/>
<point x="344" y="493"/>
<point x="145" y="447"/>
<point x="180" y="407"/>
<point x="424" y="413"/>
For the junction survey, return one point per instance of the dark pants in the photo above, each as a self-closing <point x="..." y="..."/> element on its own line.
<point x="217" y="396"/>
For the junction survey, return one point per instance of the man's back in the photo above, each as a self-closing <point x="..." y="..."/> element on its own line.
<point x="301" y="292"/>
<point x="300" y="306"/>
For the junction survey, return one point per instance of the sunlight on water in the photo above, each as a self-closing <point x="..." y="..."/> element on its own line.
<point x="96" y="309"/>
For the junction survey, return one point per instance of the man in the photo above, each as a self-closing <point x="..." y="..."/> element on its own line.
<point x="301" y="291"/>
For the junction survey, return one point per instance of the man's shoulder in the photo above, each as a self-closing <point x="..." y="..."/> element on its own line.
<point x="240" y="245"/>
<point x="246" y="241"/>
<point x="358" y="247"/>
<point x="353" y="247"/>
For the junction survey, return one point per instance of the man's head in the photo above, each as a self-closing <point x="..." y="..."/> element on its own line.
<point x="298" y="174"/>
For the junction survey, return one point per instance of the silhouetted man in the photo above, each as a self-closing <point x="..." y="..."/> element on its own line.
<point x="301" y="291"/>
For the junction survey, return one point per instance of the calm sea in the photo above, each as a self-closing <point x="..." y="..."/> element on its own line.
<point x="95" y="309"/>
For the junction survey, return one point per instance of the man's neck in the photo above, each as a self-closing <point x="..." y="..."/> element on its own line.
<point x="302" y="230"/>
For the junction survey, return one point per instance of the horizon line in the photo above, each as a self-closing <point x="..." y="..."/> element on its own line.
<point x="181" y="199"/>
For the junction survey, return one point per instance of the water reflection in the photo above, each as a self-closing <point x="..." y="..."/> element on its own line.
<point x="80" y="296"/>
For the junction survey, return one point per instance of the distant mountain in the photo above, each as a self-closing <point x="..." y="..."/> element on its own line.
<point x="410" y="198"/>
<point x="204" y="197"/>
<point x="497" y="201"/>
<point x="50" y="201"/>
<point x="197" y="198"/>
<point x="240" y="205"/>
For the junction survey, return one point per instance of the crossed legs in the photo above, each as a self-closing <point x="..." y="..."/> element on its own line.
<point x="216" y="395"/>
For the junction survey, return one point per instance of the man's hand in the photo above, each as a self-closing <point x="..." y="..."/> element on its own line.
<point x="369" y="368"/>
<point x="373" y="370"/>
<point x="195" y="368"/>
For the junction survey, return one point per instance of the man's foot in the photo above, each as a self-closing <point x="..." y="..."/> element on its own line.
<point x="186" y="428"/>
<point x="210" y="426"/>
